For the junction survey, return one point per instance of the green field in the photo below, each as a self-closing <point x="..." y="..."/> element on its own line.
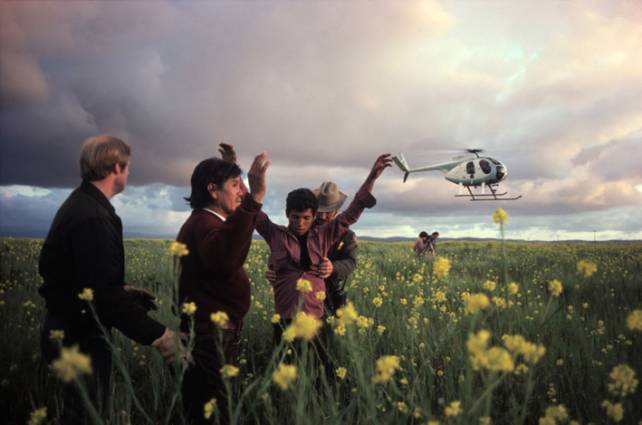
<point x="584" y="332"/>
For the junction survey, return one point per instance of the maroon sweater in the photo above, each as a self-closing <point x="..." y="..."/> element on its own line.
<point x="212" y="274"/>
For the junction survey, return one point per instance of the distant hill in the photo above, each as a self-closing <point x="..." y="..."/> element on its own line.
<point x="40" y="234"/>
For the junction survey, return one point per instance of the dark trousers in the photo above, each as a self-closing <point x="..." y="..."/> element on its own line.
<point x="203" y="381"/>
<point x="92" y="342"/>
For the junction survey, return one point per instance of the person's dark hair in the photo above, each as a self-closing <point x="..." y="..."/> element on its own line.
<point x="423" y="235"/>
<point x="211" y="170"/>
<point x="301" y="200"/>
<point x="435" y="233"/>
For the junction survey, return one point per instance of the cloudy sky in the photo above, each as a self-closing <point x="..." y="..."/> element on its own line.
<point x="552" y="89"/>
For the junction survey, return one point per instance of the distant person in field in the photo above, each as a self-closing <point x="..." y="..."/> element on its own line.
<point x="300" y="249"/>
<point x="421" y="244"/>
<point x="218" y="234"/>
<point x="431" y="245"/>
<point x="342" y="256"/>
<point x="84" y="249"/>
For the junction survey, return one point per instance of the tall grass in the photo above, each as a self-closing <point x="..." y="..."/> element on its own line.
<point x="583" y="331"/>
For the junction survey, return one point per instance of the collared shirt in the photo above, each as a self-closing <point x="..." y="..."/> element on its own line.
<point x="286" y="256"/>
<point x="215" y="213"/>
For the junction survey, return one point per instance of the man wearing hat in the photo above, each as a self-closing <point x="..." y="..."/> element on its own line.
<point x="343" y="254"/>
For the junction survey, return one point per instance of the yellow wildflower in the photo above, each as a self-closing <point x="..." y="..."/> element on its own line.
<point x="513" y="288"/>
<point x="303" y="285"/>
<point x="586" y="268"/>
<point x="364" y="322"/>
<point x="418" y="301"/>
<point x="500" y="216"/>
<point x="341" y="372"/>
<point x="289" y="334"/>
<point x="555" y="287"/>
<point x="485" y="420"/>
<point x="499" y="360"/>
<point x="276" y="318"/>
<point x="622" y="381"/>
<point x="284" y="375"/>
<point x="490" y="285"/>
<point x="340" y="330"/>
<point x="189" y="308"/>
<point x="634" y="320"/>
<point x="37" y="416"/>
<point x="386" y="367"/>
<point x="381" y="329"/>
<point x="476" y="346"/>
<point x="440" y="267"/>
<point x="557" y="413"/>
<point x="402" y="406"/>
<point x="476" y="302"/>
<point x="615" y="411"/>
<point x="71" y="363"/>
<point x="403" y="301"/>
<point x="303" y="326"/>
<point x="499" y="302"/>
<point x="56" y="335"/>
<point x="87" y="294"/>
<point x="377" y="301"/>
<point x="229" y="371"/>
<point x="220" y="318"/>
<point x="320" y="295"/>
<point x="517" y="344"/>
<point x="453" y="409"/>
<point x="178" y="249"/>
<point x="439" y="297"/>
<point x="347" y="314"/>
<point x="209" y="408"/>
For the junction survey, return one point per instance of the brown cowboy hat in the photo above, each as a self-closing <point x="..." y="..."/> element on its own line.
<point x="329" y="196"/>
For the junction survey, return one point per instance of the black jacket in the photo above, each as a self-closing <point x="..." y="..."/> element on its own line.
<point x="343" y="256"/>
<point x="84" y="249"/>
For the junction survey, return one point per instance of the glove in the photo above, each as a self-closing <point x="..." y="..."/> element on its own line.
<point x="143" y="297"/>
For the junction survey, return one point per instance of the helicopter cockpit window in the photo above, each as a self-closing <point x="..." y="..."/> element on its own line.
<point x="485" y="166"/>
<point x="470" y="168"/>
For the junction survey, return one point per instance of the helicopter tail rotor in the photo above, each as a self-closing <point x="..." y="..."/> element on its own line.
<point x="402" y="164"/>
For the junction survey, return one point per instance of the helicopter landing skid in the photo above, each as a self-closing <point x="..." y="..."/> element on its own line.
<point x="493" y="196"/>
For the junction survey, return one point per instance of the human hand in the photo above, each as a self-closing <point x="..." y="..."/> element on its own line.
<point x="171" y="348"/>
<point x="324" y="269"/>
<point x="270" y="275"/>
<point x="143" y="297"/>
<point x="256" y="177"/>
<point x="227" y="152"/>
<point x="383" y="161"/>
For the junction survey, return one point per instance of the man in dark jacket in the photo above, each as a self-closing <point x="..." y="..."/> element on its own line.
<point x="343" y="254"/>
<point x="84" y="249"/>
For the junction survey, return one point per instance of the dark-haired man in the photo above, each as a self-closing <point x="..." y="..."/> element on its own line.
<point x="218" y="235"/>
<point x="300" y="246"/>
<point x="342" y="256"/>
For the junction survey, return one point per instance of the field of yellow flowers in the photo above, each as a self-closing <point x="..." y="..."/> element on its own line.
<point x="487" y="332"/>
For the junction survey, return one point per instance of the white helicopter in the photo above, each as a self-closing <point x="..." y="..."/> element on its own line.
<point x="466" y="171"/>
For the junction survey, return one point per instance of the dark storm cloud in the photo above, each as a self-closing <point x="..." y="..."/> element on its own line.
<point x="324" y="87"/>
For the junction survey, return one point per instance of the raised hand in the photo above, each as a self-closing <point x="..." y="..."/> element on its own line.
<point x="227" y="152"/>
<point x="384" y="161"/>
<point x="256" y="177"/>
